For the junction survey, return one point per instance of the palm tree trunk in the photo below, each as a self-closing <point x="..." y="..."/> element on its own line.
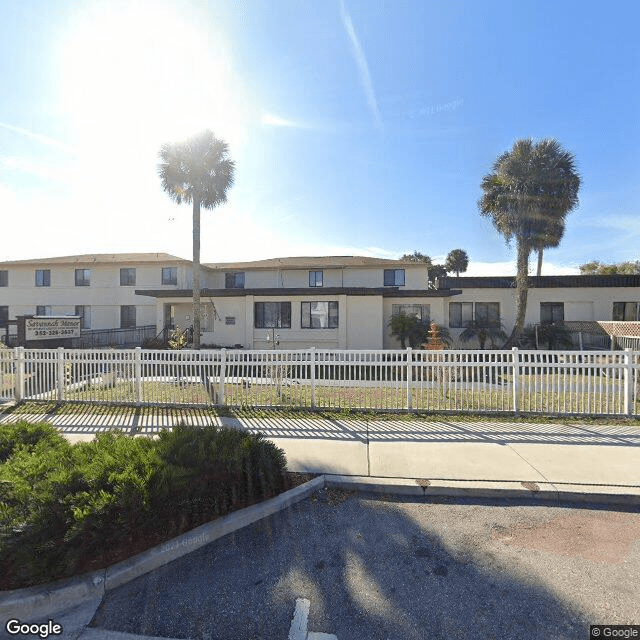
<point x="522" y="289"/>
<point x="196" y="273"/>
<point x="540" y="254"/>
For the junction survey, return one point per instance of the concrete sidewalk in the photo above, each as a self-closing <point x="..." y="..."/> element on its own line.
<point x="585" y="460"/>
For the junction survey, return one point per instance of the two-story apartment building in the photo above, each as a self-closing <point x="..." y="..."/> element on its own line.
<point x="100" y="288"/>
<point x="333" y="302"/>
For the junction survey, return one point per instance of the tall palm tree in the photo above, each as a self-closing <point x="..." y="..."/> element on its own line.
<point x="548" y="237"/>
<point x="457" y="261"/>
<point x="530" y="187"/>
<point x="197" y="171"/>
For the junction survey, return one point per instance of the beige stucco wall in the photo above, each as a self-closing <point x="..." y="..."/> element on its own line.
<point x="104" y="295"/>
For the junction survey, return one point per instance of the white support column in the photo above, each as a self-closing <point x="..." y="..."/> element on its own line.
<point x="628" y="382"/>
<point x="409" y="378"/>
<point x="515" y="367"/>
<point x="312" y="358"/>
<point x="60" y="377"/>
<point x="137" y="373"/>
<point x="223" y="373"/>
<point x="19" y="373"/>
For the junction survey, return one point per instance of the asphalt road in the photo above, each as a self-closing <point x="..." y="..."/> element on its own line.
<point x="391" y="569"/>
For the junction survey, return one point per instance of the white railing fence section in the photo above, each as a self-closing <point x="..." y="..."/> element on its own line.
<point x="544" y="382"/>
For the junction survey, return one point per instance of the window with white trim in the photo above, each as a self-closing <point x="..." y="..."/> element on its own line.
<point x="234" y="280"/>
<point x="43" y="277"/>
<point x="626" y="311"/>
<point x="394" y="277"/>
<point x="315" y="278"/>
<point x="551" y="312"/>
<point x="43" y="310"/>
<point x="272" y="315"/>
<point x="127" y="277"/>
<point x="83" y="277"/>
<point x="319" y="315"/>
<point x="420" y="311"/>
<point x="127" y="316"/>
<point x="4" y="278"/>
<point x="169" y="275"/>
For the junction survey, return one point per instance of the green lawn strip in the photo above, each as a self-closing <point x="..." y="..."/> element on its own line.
<point x="66" y="509"/>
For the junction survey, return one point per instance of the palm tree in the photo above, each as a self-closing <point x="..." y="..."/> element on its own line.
<point x="549" y="333"/>
<point x="197" y="171"/>
<point x="548" y="237"/>
<point x="404" y="327"/>
<point x="457" y="261"/>
<point x="529" y="188"/>
<point x="483" y="331"/>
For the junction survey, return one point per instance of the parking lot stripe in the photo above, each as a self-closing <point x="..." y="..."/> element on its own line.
<point x="298" y="630"/>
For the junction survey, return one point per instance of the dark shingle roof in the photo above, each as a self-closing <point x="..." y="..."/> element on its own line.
<point x="541" y="282"/>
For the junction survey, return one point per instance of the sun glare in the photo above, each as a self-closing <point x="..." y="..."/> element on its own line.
<point x="136" y="73"/>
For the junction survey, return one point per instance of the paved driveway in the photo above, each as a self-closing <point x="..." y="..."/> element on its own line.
<point x="375" y="568"/>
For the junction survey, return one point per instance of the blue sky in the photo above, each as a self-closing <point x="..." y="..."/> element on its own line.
<point x="358" y="127"/>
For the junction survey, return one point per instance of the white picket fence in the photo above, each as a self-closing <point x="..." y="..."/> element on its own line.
<point x="544" y="382"/>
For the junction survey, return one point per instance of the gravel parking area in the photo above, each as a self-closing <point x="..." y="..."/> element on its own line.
<point x="393" y="568"/>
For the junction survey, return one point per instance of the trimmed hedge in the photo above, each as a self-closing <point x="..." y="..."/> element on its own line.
<point x="67" y="508"/>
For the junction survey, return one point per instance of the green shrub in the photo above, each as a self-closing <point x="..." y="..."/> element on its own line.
<point x="62" y="505"/>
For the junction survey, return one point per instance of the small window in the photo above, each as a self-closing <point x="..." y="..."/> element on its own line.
<point x="626" y="311"/>
<point x="460" y="314"/>
<point x="169" y="275"/>
<point x="127" y="316"/>
<point x="43" y="310"/>
<point x="4" y="316"/>
<point x="488" y="314"/>
<point x="551" y="312"/>
<point x="127" y="277"/>
<point x="315" y="278"/>
<point x="83" y="277"/>
<point x="229" y="320"/>
<point x="4" y="278"/>
<point x="420" y="311"/>
<point x="43" y="277"/>
<point x="319" y="315"/>
<point x="234" y="280"/>
<point x="270" y="315"/>
<point x="394" y="277"/>
<point x="84" y="311"/>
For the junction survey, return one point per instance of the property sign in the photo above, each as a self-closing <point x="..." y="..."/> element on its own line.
<point x="52" y="328"/>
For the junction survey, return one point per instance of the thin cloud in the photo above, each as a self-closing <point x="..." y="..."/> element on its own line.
<point x="363" y="67"/>
<point x="27" y="166"/>
<point x="46" y="140"/>
<point x="277" y="121"/>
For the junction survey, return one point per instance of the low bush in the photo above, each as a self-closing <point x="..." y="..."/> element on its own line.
<point x="67" y="508"/>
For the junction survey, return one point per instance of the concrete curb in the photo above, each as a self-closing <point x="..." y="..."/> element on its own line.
<point x="45" y="600"/>
<point x="542" y="491"/>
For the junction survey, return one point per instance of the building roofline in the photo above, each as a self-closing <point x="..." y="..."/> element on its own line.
<point x="387" y="292"/>
<point x="539" y="282"/>
<point x="304" y="262"/>
<point x="100" y="258"/>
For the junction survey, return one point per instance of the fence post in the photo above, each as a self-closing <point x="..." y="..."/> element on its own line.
<point x="19" y="369"/>
<point x="515" y="365"/>
<point x="409" y="378"/>
<point x="223" y="373"/>
<point x="60" y="370"/>
<point x="312" y="357"/>
<point x="628" y="382"/>
<point x="137" y="373"/>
